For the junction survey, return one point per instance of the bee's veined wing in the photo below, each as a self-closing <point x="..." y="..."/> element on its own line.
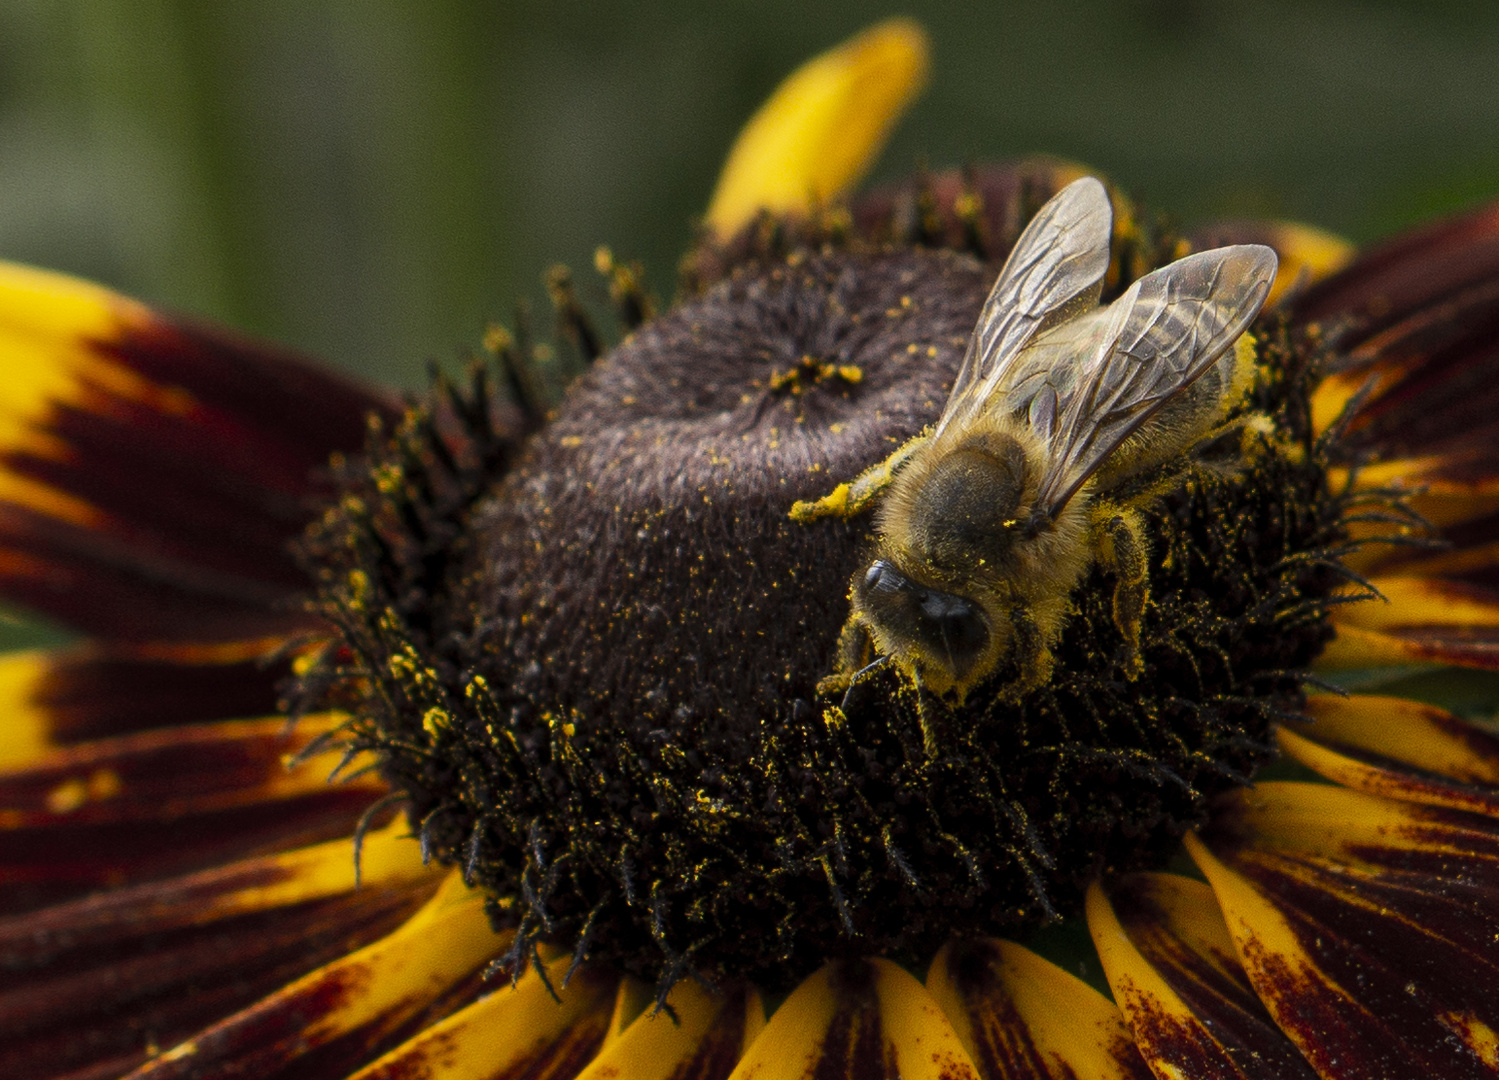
<point x="1055" y="270"/>
<point x="1165" y="331"/>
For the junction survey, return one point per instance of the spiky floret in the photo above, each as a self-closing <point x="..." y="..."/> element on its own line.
<point x="589" y="658"/>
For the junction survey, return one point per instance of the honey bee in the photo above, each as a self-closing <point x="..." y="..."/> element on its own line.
<point x="1061" y="414"/>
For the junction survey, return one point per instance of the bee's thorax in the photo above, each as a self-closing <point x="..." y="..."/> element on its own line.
<point x="961" y="507"/>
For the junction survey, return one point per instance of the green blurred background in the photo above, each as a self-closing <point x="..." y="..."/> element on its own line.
<point x="372" y="181"/>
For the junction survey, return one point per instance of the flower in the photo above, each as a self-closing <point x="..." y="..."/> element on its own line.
<point x="181" y="905"/>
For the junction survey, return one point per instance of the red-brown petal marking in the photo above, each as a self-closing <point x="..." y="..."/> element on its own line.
<point x="1425" y="620"/>
<point x="343" y="1014"/>
<point x="82" y="983"/>
<point x="515" y="1033"/>
<point x="151" y="471"/>
<point x="1368" y="927"/>
<point x="1174" y="972"/>
<point x="1023" y="1018"/>
<point x="857" y="1020"/>
<point x="161" y="802"/>
<point x="51" y="699"/>
<point x="1400" y="749"/>
<point x="1416" y="313"/>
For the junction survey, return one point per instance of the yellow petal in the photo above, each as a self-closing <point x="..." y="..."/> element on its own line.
<point x="1421" y="620"/>
<point x="1171" y="964"/>
<point x="513" y="1032"/>
<point x="52" y="328"/>
<point x="859" y="1020"/>
<point x="1399" y="749"/>
<point x="1307" y="255"/>
<point x="823" y="126"/>
<point x="1421" y="735"/>
<point x="372" y="992"/>
<point x="1367" y="926"/>
<point x="1420" y="601"/>
<point x="1023" y="1018"/>
<point x="25" y="733"/>
<point x="700" y="1035"/>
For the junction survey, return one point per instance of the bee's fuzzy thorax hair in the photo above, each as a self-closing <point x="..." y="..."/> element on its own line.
<point x="589" y="659"/>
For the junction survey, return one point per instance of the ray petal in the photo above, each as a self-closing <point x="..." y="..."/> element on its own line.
<point x="52" y="699"/>
<point x="538" y="1029"/>
<point x="168" y="957"/>
<point x="701" y="1037"/>
<point x="1173" y="970"/>
<point x="148" y="804"/>
<point x="1023" y="1018"/>
<point x="1400" y="749"/>
<point x="860" y="1020"/>
<point x="152" y="471"/>
<point x="822" y="127"/>
<point x="1420" y="620"/>
<point x="1367" y="927"/>
<point x="341" y="1014"/>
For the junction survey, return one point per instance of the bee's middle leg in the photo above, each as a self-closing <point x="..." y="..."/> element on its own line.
<point x="1033" y="657"/>
<point x="1122" y="532"/>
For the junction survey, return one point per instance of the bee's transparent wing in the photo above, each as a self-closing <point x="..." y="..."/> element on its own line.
<point x="1162" y="334"/>
<point x="1055" y="270"/>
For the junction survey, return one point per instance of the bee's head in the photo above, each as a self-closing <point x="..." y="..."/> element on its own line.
<point x="950" y="632"/>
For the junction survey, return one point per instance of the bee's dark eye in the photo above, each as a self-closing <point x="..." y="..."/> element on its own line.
<point x="873" y="574"/>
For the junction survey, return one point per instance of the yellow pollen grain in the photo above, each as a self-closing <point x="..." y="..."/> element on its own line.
<point x="571" y="441"/>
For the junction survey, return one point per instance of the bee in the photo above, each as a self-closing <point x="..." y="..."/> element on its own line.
<point x="1043" y="457"/>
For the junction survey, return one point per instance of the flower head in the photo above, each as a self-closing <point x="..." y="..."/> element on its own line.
<point x="584" y="645"/>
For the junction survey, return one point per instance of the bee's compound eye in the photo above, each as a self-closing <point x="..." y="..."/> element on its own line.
<point x="873" y="574"/>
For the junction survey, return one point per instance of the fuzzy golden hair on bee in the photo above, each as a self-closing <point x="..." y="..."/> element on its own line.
<point x="1063" y="420"/>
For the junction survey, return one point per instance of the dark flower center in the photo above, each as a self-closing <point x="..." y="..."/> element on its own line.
<point x="591" y="663"/>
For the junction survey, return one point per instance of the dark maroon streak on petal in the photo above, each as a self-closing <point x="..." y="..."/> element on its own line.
<point x="1389" y="282"/>
<point x="1467" y="646"/>
<point x="1413" y="942"/>
<point x="1003" y="1047"/>
<point x="158" y="776"/>
<point x="202" y="483"/>
<point x="103" y="1004"/>
<point x="43" y="866"/>
<point x="96" y="693"/>
<point x="1229" y="1017"/>
<point x="114" y="587"/>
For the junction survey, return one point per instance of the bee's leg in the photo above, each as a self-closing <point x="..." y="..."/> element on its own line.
<point x="1122" y="533"/>
<point x="1032" y="656"/>
<point x="854" y="649"/>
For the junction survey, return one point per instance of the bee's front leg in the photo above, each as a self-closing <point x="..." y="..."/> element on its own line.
<point x="855" y="647"/>
<point x="1121" y="533"/>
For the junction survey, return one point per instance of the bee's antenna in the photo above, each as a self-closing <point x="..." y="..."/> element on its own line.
<point x="856" y="676"/>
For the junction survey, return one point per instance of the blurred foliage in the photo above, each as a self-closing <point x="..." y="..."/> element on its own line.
<point x="372" y="181"/>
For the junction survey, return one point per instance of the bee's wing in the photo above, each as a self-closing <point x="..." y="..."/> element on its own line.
<point x="1055" y="269"/>
<point x="1160" y="335"/>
